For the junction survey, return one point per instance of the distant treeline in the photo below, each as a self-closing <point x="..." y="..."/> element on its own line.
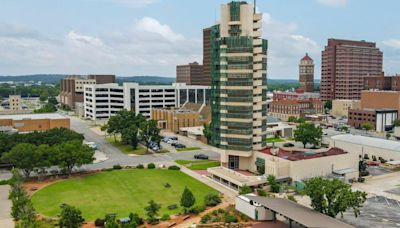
<point x="29" y="91"/>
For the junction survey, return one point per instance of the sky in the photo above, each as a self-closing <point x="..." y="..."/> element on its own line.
<point x="151" y="37"/>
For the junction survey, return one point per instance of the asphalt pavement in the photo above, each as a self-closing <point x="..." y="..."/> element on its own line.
<point x="116" y="157"/>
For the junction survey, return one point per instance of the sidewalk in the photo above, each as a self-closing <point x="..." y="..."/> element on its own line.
<point x="5" y="208"/>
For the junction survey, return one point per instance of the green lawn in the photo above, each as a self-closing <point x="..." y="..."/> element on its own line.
<point x="126" y="148"/>
<point x="120" y="192"/>
<point x="199" y="165"/>
<point x="275" y="140"/>
<point x="187" y="149"/>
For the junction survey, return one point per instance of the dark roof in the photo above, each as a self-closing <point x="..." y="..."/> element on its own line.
<point x="303" y="155"/>
<point x="298" y="213"/>
<point x="307" y="58"/>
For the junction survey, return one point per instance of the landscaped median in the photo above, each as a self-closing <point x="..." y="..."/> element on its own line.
<point x="127" y="149"/>
<point x="198" y="165"/>
<point x="187" y="149"/>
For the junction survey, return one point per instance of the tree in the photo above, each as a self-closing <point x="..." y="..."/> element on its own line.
<point x="308" y="133"/>
<point x="245" y="190"/>
<point x="332" y="197"/>
<point x="130" y="136"/>
<point x="301" y="120"/>
<point x="71" y="217"/>
<point x="44" y="159"/>
<point x="367" y="126"/>
<point x="152" y="211"/>
<point x="149" y="132"/>
<point x="71" y="154"/>
<point x="207" y="132"/>
<point x="53" y="101"/>
<point x="275" y="187"/>
<point x="396" y="123"/>
<point x="328" y="105"/>
<point x="24" y="157"/>
<point x="187" y="199"/>
<point x="292" y="119"/>
<point x="111" y="221"/>
<point x="21" y="209"/>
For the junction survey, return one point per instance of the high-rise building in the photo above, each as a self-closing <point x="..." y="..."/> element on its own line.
<point x="191" y="74"/>
<point x="239" y="90"/>
<point x="71" y="87"/>
<point x="207" y="55"/>
<point x="345" y="63"/>
<point x="306" y="74"/>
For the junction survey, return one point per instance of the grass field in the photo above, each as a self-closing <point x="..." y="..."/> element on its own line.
<point x="126" y="149"/>
<point x="187" y="149"/>
<point x="198" y="165"/>
<point x="120" y="192"/>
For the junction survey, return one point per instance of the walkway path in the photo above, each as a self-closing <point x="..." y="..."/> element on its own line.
<point x="5" y="208"/>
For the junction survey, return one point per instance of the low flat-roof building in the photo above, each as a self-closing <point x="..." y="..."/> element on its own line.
<point x="35" y="122"/>
<point x="361" y="145"/>
<point x="174" y="119"/>
<point x="267" y="208"/>
<point x="381" y="119"/>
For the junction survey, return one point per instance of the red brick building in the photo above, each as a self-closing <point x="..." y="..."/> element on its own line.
<point x="306" y="74"/>
<point x="382" y="83"/>
<point x="191" y="74"/>
<point x="277" y="96"/>
<point x="283" y="109"/>
<point x="345" y="63"/>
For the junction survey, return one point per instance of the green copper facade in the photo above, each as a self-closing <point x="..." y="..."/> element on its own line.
<point x="239" y="89"/>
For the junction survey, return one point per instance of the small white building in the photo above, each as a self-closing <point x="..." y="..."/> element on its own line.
<point x="102" y="101"/>
<point x="361" y="145"/>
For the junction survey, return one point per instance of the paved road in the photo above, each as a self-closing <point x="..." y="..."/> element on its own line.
<point x="117" y="157"/>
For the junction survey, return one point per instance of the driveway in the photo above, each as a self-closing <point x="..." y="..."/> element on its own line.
<point x="5" y="208"/>
<point x="117" y="157"/>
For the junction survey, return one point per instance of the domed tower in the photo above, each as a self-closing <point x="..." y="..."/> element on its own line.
<point x="306" y="74"/>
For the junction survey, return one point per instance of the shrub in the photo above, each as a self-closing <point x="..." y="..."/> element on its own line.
<point x="136" y="219"/>
<point x="215" y="219"/>
<point x="212" y="199"/>
<point x="172" y="207"/>
<point x="140" y="166"/>
<point x="205" y="218"/>
<point x="117" y="167"/>
<point x="109" y="169"/>
<point x="167" y="185"/>
<point x="99" y="222"/>
<point x="291" y="198"/>
<point x="261" y="192"/>
<point x="151" y="166"/>
<point x="197" y="209"/>
<point x="228" y="218"/>
<point x="373" y="158"/>
<point x="366" y="157"/>
<point x="4" y="182"/>
<point x="245" y="190"/>
<point x="174" y="167"/>
<point x="165" y="217"/>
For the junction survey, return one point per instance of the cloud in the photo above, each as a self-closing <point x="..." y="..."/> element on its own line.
<point x="287" y="47"/>
<point x="393" y="43"/>
<point x="333" y="3"/>
<point x="151" y="25"/>
<point x="147" y="47"/>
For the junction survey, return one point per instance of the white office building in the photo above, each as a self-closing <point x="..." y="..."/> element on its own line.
<point x="101" y="101"/>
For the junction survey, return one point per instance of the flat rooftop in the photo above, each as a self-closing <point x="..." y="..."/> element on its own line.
<point x="38" y="116"/>
<point x="298" y="213"/>
<point x="238" y="178"/>
<point x="368" y="141"/>
<point x="303" y="155"/>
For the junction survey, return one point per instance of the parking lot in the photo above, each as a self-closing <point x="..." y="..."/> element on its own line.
<point x="377" y="212"/>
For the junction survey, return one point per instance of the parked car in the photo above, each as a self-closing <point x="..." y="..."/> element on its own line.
<point x="165" y="139"/>
<point x="92" y="145"/>
<point x="201" y="156"/>
<point x="179" y="146"/>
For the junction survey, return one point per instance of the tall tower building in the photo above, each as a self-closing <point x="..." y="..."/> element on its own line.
<point x="238" y="88"/>
<point x="207" y="55"/>
<point x="345" y="63"/>
<point x="306" y="74"/>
